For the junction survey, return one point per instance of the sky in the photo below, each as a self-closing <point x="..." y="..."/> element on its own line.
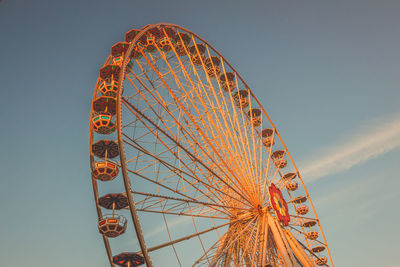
<point x="327" y="73"/>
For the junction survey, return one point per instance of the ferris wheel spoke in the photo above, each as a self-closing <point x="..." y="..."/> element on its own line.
<point x="192" y="103"/>
<point x="276" y="256"/>
<point x="264" y="190"/>
<point x="191" y="117"/>
<point x="205" y="259"/>
<point x="181" y="214"/>
<point x="189" y="201"/>
<point x="216" y="103"/>
<point x="211" y="256"/>
<point x="231" y="150"/>
<point x="190" y="144"/>
<point x="157" y="79"/>
<point x="183" y="209"/>
<point x="223" y="108"/>
<point x="303" y="234"/>
<point x="179" y="172"/>
<point x="187" y="237"/>
<point x="303" y="217"/>
<point x="246" y="249"/>
<point x="176" y="79"/>
<point x="182" y="127"/>
<point x="173" y="169"/>
<point x="159" y="184"/>
<point x="246" y="138"/>
<point x="262" y="155"/>
<point x="232" y="239"/>
<point x="311" y="252"/>
<point x="138" y="113"/>
<point x="180" y="206"/>
<point x="273" y="176"/>
<point x="299" y="222"/>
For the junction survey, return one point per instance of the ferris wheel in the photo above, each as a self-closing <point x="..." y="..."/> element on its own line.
<point x="205" y="178"/>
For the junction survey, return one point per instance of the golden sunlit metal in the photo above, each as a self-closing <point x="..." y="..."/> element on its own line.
<point x="177" y="125"/>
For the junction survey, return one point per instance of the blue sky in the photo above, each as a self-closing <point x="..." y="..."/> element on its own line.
<point x="327" y="72"/>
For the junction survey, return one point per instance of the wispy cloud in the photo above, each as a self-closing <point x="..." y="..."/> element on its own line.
<point x="377" y="138"/>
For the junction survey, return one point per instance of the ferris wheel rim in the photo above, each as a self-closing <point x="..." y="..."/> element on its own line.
<point x="94" y="181"/>
<point x="121" y="144"/>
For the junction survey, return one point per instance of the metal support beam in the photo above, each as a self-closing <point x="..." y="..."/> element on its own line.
<point x="283" y="249"/>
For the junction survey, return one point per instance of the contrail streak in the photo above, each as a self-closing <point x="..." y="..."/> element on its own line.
<point x="369" y="143"/>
